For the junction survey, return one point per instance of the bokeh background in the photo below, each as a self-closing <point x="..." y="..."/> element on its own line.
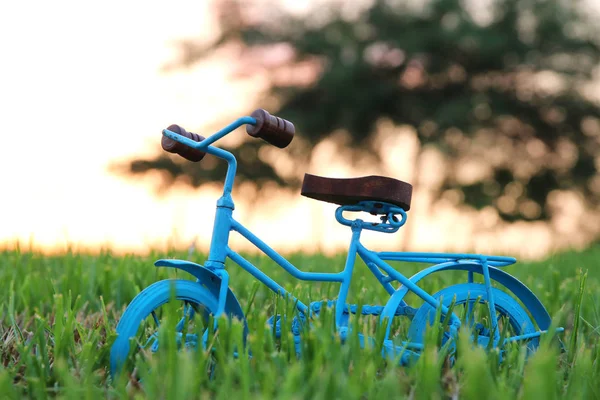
<point x="491" y="109"/>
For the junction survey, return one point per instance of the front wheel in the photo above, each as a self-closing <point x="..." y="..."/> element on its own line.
<point x="142" y="318"/>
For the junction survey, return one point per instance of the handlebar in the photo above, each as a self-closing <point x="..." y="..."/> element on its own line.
<point x="274" y="130"/>
<point x="191" y="146"/>
<point x="172" y="146"/>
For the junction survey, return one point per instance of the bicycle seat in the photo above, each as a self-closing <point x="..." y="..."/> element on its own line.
<point x="350" y="191"/>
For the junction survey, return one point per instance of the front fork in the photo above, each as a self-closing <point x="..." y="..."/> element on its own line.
<point x="223" y="290"/>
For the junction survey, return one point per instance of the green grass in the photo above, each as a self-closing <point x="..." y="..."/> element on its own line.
<point x="58" y="316"/>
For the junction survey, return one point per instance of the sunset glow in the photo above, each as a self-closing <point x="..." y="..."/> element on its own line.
<point x="81" y="90"/>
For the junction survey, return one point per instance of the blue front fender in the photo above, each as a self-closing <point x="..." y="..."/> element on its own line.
<point x="522" y="292"/>
<point x="212" y="282"/>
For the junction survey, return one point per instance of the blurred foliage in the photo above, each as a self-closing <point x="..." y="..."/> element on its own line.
<point x="499" y="85"/>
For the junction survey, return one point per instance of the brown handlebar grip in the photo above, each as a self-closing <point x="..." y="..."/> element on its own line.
<point x="184" y="151"/>
<point x="277" y="131"/>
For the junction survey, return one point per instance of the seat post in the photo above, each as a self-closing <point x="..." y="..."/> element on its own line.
<point x="348" y="269"/>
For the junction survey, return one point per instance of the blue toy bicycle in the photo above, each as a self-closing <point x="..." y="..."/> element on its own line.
<point x="513" y="314"/>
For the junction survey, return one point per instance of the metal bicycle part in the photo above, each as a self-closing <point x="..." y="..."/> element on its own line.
<point x="472" y="306"/>
<point x="140" y="324"/>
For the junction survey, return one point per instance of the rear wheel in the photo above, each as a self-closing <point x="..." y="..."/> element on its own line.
<point x="471" y="305"/>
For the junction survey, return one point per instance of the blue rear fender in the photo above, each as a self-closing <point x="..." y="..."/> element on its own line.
<point x="210" y="281"/>
<point x="532" y="304"/>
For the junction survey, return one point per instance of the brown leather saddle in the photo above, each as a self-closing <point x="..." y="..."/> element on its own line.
<point x="350" y="191"/>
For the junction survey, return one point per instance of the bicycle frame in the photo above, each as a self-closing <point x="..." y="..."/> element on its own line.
<point x="224" y="223"/>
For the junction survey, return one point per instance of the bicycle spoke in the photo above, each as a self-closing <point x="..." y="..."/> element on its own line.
<point x="186" y="317"/>
<point x="154" y="346"/>
<point x="155" y="319"/>
<point x="192" y="312"/>
<point x="469" y="317"/>
<point x="471" y="310"/>
<point x="153" y="338"/>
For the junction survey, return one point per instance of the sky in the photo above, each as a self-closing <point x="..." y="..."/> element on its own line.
<point x="81" y="88"/>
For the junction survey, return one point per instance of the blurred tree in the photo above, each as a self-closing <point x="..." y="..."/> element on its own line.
<point x="498" y="86"/>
